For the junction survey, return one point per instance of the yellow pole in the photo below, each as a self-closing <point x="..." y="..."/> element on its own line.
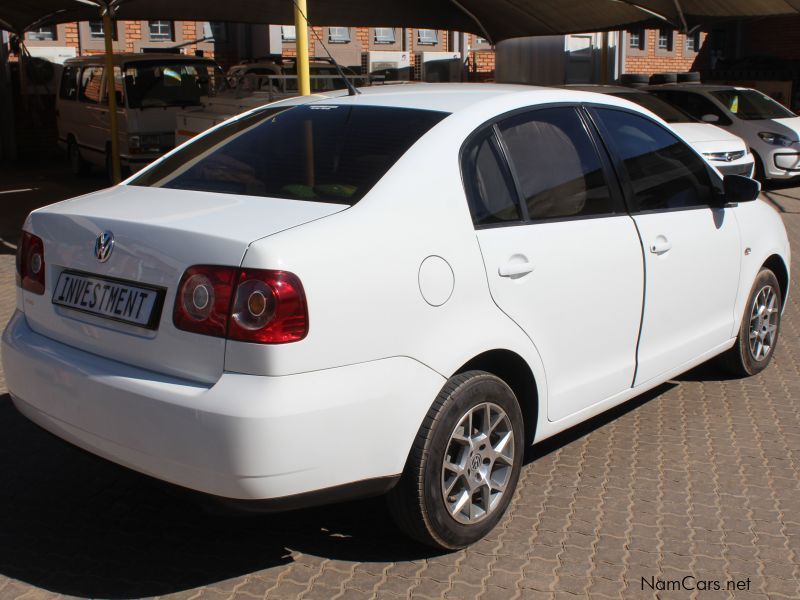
<point x="604" y="59"/>
<point x="301" y="41"/>
<point x="112" y="97"/>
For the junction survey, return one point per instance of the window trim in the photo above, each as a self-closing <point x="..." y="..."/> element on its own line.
<point x="622" y="173"/>
<point x="614" y="185"/>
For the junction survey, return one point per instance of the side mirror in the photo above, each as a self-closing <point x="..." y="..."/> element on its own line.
<point x="740" y="189"/>
<point x="709" y="118"/>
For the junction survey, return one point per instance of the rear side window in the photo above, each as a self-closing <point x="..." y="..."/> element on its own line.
<point x="664" y="173"/>
<point x="490" y="189"/>
<point x="69" y="84"/>
<point x="324" y="153"/>
<point x="91" y="85"/>
<point x="556" y="164"/>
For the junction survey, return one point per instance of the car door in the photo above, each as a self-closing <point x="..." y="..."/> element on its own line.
<point x="93" y="132"/>
<point x="691" y="243"/>
<point x="562" y="257"/>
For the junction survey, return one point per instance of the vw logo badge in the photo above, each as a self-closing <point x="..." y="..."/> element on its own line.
<point x="103" y="246"/>
<point x="728" y="156"/>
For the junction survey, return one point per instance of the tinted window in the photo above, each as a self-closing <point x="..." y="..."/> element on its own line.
<point x="156" y="84"/>
<point x="91" y="84"/>
<point x="556" y="164"/>
<point x="69" y="84"/>
<point x="663" y="171"/>
<point x="696" y="105"/>
<point x="325" y="153"/>
<point x="489" y="184"/>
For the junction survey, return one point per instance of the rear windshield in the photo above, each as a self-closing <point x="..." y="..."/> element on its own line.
<point x="324" y="153"/>
<point x="657" y="106"/>
<point x="752" y="105"/>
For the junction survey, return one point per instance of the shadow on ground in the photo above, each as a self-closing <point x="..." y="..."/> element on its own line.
<point x="78" y="525"/>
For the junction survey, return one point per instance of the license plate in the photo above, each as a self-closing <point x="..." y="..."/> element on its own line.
<point x="110" y="298"/>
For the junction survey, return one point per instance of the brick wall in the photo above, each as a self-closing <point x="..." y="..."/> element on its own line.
<point x="652" y="60"/>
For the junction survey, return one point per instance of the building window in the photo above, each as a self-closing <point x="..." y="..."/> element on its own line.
<point x="479" y="41"/>
<point x="665" y="39"/>
<point x="693" y="42"/>
<point x="636" y="39"/>
<point x="339" y="35"/>
<point x="384" y="35"/>
<point x="427" y="37"/>
<point x="216" y="31"/>
<point x="96" y="30"/>
<point x="288" y="33"/>
<point x="43" y="34"/>
<point x="160" y="31"/>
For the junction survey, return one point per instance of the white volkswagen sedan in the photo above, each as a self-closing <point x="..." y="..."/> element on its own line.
<point x="394" y="292"/>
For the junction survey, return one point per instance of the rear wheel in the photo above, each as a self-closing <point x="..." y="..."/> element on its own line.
<point x="758" y="334"/>
<point x="465" y="463"/>
<point x="77" y="164"/>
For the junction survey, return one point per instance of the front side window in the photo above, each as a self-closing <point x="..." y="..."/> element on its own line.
<point x="319" y="153"/>
<point x="91" y="89"/>
<point x="69" y="84"/>
<point x="154" y="84"/>
<point x="160" y="31"/>
<point x="490" y="188"/>
<point x="752" y="105"/>
<point x="556" y="164"/>
<point x="664" y="173"/>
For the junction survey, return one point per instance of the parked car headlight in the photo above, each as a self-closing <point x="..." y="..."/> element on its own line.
<point x="776" y="139"/>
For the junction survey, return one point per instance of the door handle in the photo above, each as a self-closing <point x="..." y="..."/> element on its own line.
<point x="660" y="245"/>
<point x="515" y="269"/>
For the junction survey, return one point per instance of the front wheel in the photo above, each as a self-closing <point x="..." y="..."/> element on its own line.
<point x="758" y="334"/>
<point x="464" y="465"/>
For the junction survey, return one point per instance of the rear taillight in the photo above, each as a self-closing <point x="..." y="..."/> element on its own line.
<point x="204" y="299"/>
<point x="30" y="263"/>
<point x="250" y="305"/>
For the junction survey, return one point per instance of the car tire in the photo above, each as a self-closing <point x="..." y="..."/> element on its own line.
<point x="77" y="165"/>
<point x="445" y="506"/>
<point x="758" y="334"/>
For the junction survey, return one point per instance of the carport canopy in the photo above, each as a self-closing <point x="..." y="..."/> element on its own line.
<point x="494" y="19"/>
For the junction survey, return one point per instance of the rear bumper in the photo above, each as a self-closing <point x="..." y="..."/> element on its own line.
<point x="244" y="437"/>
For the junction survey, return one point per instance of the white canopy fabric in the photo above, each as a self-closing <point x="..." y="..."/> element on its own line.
<point x="494" y="19"/>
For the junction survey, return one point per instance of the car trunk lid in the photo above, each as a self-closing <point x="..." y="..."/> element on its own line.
<point x="158" y="233"/>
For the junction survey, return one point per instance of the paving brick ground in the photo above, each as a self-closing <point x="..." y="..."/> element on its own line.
<point x="700" y="477"/>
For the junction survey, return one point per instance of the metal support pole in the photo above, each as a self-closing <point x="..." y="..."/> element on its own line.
<point x="301" y="41"/>
<point x="604" y="59"/>
<point x="112" y="97"/>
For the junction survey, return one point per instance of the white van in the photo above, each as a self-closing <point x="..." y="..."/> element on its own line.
<point x="151" y="88"/>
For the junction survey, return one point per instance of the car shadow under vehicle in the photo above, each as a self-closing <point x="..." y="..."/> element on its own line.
<point x="78" y="525"/>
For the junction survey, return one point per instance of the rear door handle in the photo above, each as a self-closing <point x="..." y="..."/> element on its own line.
<point x="660" y="245"/>
<point x="515" y="269"/>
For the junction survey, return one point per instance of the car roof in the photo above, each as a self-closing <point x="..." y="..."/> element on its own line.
<point x="694" y="87"/>
<point x="126" y="57"/>
<point x="456" y="97"/>
<point x="599" y="88"/>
